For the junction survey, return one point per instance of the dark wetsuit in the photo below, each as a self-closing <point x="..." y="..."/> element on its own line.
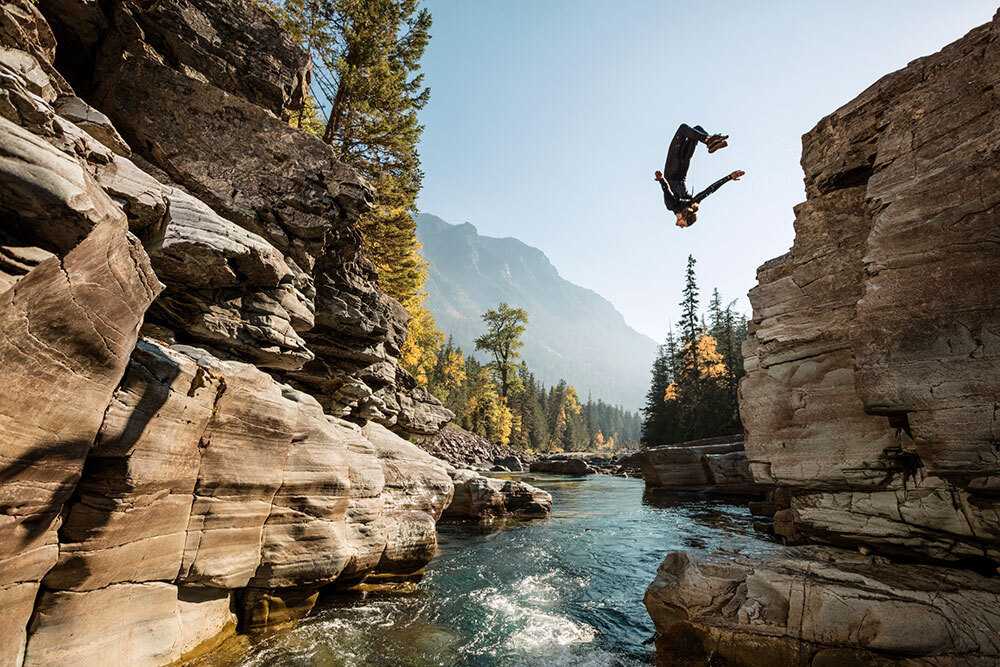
<point x="675" y="193"/>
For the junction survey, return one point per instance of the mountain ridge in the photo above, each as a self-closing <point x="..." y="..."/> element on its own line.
<point x="573" y="333"/>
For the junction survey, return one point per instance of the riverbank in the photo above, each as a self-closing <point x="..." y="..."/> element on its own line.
<point x="564" y="590"/>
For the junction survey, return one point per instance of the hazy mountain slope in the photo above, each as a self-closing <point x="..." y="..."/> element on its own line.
<point x="573" y="333"/>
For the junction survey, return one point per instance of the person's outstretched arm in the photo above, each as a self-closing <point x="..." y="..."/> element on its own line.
<point x="669" y="196"/>
<point x="735" y="176"/>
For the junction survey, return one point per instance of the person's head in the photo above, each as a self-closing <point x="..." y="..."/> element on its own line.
<point x="687" y="216"/>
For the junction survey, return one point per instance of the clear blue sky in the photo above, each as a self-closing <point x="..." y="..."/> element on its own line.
<point x="547" y="119"/>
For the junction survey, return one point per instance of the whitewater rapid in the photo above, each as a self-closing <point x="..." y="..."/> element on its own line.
<point x="561" y="591"/>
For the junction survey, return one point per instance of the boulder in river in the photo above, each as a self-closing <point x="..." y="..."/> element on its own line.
<point x="563" y="466"/>
<point x="701" y="467"/>
<point x="478" y="497"/>
<point x="822" y="606"/>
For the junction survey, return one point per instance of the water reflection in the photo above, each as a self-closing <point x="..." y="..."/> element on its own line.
<point x="561" y="591"/>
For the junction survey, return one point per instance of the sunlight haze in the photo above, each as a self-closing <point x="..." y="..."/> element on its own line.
<point x="547" y="120"/>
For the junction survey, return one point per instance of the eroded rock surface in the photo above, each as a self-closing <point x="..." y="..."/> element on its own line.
<point x="468" y="450"/>
<point x="202" y="413"/>
<point x="874" y="365"/>
<point x="483" y="498"/>
<point x="870" y="400"/>
<point x="822" y="606"/>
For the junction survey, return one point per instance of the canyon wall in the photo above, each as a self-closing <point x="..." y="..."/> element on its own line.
<point x="202" y="417"/>
<point x="872" y="393"/>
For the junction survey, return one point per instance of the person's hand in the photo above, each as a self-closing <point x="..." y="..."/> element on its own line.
<point x="658" y="175"/>
<point x="737" y="174"/>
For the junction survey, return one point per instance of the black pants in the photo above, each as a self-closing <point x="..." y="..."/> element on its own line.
<point x="681" y="149"/>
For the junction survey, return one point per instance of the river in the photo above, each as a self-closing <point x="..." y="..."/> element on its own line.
<point x="561" y="591"/>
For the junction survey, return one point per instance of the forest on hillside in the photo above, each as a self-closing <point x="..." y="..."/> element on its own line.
<point x="503" y="401"/>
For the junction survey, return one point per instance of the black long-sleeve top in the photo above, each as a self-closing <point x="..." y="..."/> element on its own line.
<point x="676" y="195"/>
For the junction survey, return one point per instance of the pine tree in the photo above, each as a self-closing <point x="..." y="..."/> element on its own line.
<point x="531" y="417"/>
<point x="694" y="385"/>
<point x="529" y="431"/>
<point x="688" y="378"/>
<point x="655" y="426"/>
<point x="689" y="318"/>
<point x="366" y="55"/>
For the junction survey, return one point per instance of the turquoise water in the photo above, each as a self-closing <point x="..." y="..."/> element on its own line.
<point x="561" y="591"/>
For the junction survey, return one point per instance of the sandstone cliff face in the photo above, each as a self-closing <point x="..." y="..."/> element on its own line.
<point x="202" y="411"/>
<point x="873" y="370"/>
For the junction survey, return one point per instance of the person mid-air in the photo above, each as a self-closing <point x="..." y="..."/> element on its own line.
<point x="672" y="178"/>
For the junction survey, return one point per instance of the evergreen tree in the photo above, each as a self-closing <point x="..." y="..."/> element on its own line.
<point x="694" y="385"/>
<point x="366" y="55"/>
<point x="656" y="424"/>
<point x="531" y="417"/>
<point x="688" y="367"/>
<point x="530" y="429"/>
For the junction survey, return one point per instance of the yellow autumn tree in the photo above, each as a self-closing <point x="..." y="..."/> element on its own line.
<point x="487" y="413"/>
<point x="671" y="393"/>
<point x="599" y="441"/>
<point x="572" y="404"/>
<point x="712" y="365"/>
<point x="367" y="83"/>
<point x="453" y="370"/>
<point x="308" y="118"/>
<point x="420" y="350"/>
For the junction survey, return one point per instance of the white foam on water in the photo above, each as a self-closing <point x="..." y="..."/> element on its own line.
<point x="534" y="629"/>
<point x="540" y="631"/>
<point x="538" y="588"/>
<point x="568" y="657"/>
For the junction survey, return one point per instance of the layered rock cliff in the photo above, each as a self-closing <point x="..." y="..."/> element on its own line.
<point x="872" y="390"/>
<point x="202" y="417"/>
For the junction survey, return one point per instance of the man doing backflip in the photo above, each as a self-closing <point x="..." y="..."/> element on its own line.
<point x="672" y="179"/>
